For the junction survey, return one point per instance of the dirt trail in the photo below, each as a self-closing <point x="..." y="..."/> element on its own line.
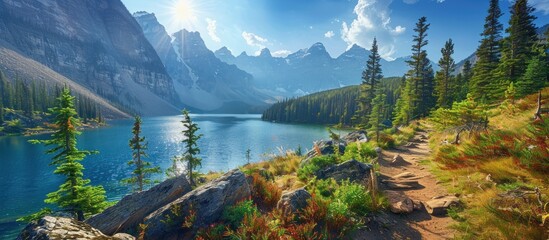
<point x="419" y="224"/>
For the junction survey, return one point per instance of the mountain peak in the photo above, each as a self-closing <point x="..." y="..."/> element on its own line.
<point x="265" y="52"/>
<point x="355" y="51"/>
<point x="224" y="51"/>
<point x="142" y="14"/>
<point x="243" y="54"/>
<point x="317" y="47"/>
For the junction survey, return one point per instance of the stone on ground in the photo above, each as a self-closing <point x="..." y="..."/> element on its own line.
<point x="438" y="206"/>
<point x="59" y="228"/>
<point x="292" y="202"/>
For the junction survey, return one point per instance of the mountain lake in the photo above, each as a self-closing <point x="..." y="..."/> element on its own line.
<point x="26" y="176"/>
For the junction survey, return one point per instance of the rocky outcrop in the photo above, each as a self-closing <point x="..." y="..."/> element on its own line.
<point x="129" y="212"/>
<point x="94" y="43"/>
<point x="438" y="206"/>
<point x="351" y="170"/>
<point x="356" y="136"/>
<point x="198" y="74"/>
<point x="325" y="147"/>
<point x="59" y="228"/>
<point x="399" y="161"/>
<point x="198" y="208"/>
<point x="292" y="202"/>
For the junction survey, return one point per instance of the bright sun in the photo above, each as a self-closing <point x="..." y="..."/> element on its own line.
<point x="183" y="11"/>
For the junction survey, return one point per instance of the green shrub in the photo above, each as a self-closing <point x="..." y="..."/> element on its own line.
<point x="354" y="196"/>
<point x="235" y="214"/>
<point x="338" y="208"/>
<point x="314" y="165"/>
<point x="325" y="187"/>
<point x="362" y="152"/>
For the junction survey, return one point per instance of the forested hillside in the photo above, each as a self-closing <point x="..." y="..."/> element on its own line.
<point x="329" y="107"/>
<point x="25" y="104"/>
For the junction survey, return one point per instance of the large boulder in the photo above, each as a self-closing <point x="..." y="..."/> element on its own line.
<point x="356" y="136"/>
<point x="292" y="202"/>
<point x="351" y="170"/>
<point x="326" y="148"/>
<point x="53" y="228"/>
<point x="438" y="206"/>
<point x="129" y="212"/>
<point x="198" y="208"/>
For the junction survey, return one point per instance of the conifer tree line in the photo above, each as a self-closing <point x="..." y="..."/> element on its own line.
<point x="31" y="97"/>
<point x="514" y="61"/>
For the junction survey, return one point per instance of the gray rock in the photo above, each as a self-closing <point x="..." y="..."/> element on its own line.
<point x="399" y="161"/>
<point x="293" y="201"/>
<point x="356" y="136"/>
<point x="207" y="202"/>
<point x="53" y="228"/>
<point x="438" y="206"/>
<point x="352" y="170"/>
<point x="404" y="206"/>
<point x="129" y="212"/>
<point x="326" y="148"/>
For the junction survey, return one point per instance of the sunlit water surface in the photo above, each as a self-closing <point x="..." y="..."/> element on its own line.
<point x="26" y="177"/>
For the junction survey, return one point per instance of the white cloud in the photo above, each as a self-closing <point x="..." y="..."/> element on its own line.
<point x="329" y="34"/>
<point x="212" y="30"/>
<point x="281" y="53"/>
<point x="372" y="20"/>
<point x="540" y="5"/>
<point x="254" y="40"/>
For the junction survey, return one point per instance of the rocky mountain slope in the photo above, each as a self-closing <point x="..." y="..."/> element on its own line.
<point x="201" y="80"/>
<point x="95" y="43"/>
<point x="308" y="70"/>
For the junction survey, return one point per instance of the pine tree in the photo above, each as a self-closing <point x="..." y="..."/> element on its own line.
<point x="142" y="168"/>
<point x="371" y="77"/>
<point x="536" y="75"/>
<point x="417" y="96"/>
<point x="462" y="81"/>
<point x="488" y="53"/>
<point x="378" y="111"/>
<point x="75" y="194"/>
<point x="191" y="145"/>
<point x="518" y="46"/>
<point x="445" y="85"/>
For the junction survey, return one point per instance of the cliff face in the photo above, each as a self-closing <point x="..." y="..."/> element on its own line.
<point x="201" y="80"/>
<point x="96" y="43"/>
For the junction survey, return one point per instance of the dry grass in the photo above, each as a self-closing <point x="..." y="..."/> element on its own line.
<point x="482" y="178"/>
<point x="278" y="165"/>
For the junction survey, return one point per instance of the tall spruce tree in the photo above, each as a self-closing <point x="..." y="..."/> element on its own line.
<point x="417" y="96"/>
<point x="191" y="145"/>
<point x="371" y="77"/>
<point x="518" y="46"/>
<point x="445" y="82"/>
<point x="377" y="115"/>
<point x="75" y="194"/>
<point x="536" y="75"/>
<point x="143" y="168"/>
<point x="462" y="81"/>
<point x="488" y="53"/>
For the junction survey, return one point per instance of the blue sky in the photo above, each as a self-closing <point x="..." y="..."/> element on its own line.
<point x="286" y="26"/>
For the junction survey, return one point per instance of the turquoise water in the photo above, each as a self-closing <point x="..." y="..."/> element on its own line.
<point x="26" y="177"/>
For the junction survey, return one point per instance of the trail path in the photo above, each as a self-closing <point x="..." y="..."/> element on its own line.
<point x="419" y="224"/>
